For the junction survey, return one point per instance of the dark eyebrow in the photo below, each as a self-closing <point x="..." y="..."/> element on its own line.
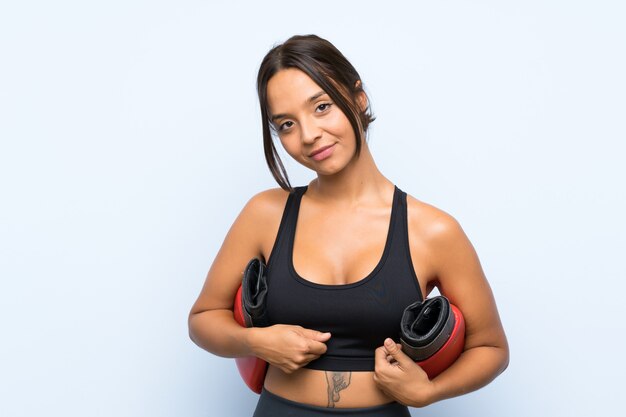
<point x="315" y="96"/>
<point x="308" y="100"/>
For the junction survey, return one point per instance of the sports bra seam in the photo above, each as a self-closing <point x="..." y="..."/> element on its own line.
<point x="346" y="358"/>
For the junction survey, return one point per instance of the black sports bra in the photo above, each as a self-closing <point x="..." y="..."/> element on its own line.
<point x="359" y="315"/>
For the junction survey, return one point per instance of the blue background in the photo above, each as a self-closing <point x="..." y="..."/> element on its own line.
<point x="130" y="140"/>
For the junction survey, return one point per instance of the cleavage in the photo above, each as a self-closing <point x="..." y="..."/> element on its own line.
<point x="339" y="248"/>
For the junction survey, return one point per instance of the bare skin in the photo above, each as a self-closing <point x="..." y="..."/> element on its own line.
<point x="342" y="226"/>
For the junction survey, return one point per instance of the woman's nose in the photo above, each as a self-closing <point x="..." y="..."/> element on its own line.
<point x="310" y="131"/>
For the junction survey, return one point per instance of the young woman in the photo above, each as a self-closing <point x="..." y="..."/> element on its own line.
<point x="345" y="255"/>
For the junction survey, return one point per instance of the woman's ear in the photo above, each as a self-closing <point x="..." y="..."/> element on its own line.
<point x="363" y="101"/>
<point x="361" y="97"/>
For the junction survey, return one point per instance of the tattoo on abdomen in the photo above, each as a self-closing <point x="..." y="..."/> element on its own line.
<point x="336" y="382"/>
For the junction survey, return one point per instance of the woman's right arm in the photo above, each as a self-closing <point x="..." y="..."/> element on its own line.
<point x="211" y="322"/>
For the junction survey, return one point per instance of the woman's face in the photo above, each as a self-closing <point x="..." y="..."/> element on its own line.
<point x="311" y="128"/>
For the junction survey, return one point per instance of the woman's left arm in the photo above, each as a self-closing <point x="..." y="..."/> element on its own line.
<point x="459" y="276"/>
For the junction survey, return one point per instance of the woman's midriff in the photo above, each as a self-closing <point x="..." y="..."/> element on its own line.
<point x="315" y="387"/>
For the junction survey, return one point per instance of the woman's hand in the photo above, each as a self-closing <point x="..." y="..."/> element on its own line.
<point x="400" y="377"/>
<point x="287" y="347"/>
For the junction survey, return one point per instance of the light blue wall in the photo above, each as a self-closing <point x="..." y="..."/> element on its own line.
<point x="130" y="140"/>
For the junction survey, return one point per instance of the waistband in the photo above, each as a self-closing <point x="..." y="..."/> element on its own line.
<point x="275" y="406"/>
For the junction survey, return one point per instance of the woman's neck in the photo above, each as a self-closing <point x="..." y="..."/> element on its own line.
<point x="360" y="181"/>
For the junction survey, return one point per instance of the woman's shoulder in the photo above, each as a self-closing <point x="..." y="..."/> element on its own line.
<point x="269" y="199"/>
<point x="266" y="205"/>
<point x="431" y="223"/>
<point x="261" y="216"/>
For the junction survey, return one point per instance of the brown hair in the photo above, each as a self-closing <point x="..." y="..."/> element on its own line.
<point x="328" y="68"/>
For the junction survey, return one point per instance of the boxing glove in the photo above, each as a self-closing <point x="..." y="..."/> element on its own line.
<point x="249" y="311"/>
<point x="432" y="333"/>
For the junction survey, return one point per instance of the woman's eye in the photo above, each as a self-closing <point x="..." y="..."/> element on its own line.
<point x="323" y="107"/>
<point x="285" y="125"/>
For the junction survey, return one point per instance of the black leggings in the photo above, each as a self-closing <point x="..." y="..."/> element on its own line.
<point x="271" y="405"/>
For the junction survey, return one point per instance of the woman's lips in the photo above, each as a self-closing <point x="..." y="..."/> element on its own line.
<point x="323" y="153"/>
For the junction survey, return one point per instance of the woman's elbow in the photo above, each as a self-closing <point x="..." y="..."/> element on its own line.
<point x="504" y="358"/>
